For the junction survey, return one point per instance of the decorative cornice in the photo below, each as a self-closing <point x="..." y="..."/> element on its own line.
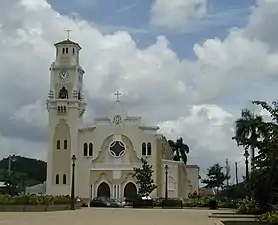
<point x="101" y="119"/>
<point x="82" y="129"/>
<point x="153" y="128"/>
<point x="172" y="162"/>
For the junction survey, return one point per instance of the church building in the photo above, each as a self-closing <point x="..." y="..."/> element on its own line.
<point x="107" y="150"/>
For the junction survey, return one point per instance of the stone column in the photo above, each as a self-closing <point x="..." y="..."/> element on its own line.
<point x="92" y="191"/>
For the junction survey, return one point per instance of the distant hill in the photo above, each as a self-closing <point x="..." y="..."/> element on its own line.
<point x="33" y="170"/>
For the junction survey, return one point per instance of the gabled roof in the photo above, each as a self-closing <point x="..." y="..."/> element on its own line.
<point x="67" y="42"/>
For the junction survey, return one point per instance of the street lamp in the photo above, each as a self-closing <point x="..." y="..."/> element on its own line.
<point x="166" y="182"/>
<point x="246" y="155"/>
<point x="72" y="197"/>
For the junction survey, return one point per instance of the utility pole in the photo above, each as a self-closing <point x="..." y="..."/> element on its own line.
<point x="227" y="172"/>
<point x="236" y="166"/>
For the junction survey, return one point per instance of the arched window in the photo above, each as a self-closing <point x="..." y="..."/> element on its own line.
<point x="65" y="144"/>
<point x="64" y="179"/>
<point x="73" y="51"/>
<point x="58" y="144"/>
<point x="63" y="50"/>
<point x="85" y="149"/>
<point x="149" y="148"/>
<point x="57" y="179"/>
<point x="90" y="149"/>
<point x="67" y="50"/>
<point x="144" y="150"/>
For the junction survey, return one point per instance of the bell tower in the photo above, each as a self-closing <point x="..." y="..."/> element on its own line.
<point x="66" y="106"/>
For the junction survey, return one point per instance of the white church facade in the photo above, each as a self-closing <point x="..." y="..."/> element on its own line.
<point x="107" y="150"/>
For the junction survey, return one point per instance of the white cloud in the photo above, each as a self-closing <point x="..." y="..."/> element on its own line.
<point x="208" y="131"/>
<point x="22" y="147"/>
<point x="195" y="99"/>
<point x="177" y="13"/>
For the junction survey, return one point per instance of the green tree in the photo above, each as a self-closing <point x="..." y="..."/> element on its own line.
<point x="216" y="177"/>
<point x="248" y="129"/>
<point x="11" y="181"/>
<point x="143" y="177"/>
<point x="234" y="191"/>
<point x="181" y="150"/>
<point x="263" y="184"/>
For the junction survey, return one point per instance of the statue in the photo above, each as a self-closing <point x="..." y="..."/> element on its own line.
<point x="63" y="93"/>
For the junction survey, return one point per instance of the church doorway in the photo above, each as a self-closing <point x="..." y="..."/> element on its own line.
<point x="103" y="190"/>
<point x="130" y="191"/>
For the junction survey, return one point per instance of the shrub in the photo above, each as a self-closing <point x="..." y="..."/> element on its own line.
<point x="172" y="203"/>
<point x="270" y="218"/>
<point x="33" y="200"/>
<point x="232" y="204"/>
<point x="213" y="204"/>
<point x="251" y="207"/>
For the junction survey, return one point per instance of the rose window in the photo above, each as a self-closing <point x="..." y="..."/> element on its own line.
<point x="117" y="148"/>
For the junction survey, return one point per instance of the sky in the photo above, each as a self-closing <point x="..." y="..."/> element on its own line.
<point x="189" y="66"/>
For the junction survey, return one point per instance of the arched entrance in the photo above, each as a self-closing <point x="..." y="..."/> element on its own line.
<point x="103" y="190"/>
<point x="130" y="191"/>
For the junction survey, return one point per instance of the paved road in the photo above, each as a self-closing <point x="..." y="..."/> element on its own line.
<point x="103" y="216"/>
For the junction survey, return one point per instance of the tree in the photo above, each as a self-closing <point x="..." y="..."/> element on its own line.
<point x="215" y="176"/>
<point x="144" y="178"/>
<point x="262" y="184"/>
<point x="248" y="130"/>
<point x="11" y="182"/>
<point x="180" y="149"/>
<point x="234" y="192"/>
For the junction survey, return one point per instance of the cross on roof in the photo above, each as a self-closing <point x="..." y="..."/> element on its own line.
<point x="68" y="31"/>
<point x="118" y="94"/>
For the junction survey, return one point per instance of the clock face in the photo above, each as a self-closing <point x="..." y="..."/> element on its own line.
<point x="117" y="119"/>
<point x="64" y="75"/>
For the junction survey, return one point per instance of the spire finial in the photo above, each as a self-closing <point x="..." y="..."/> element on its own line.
<point x="118" y="94"/>
<point x="68" y="31"/>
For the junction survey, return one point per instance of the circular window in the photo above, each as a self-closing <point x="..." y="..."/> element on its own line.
<point x="117" y="148"/>
<point x="117" y="119"/>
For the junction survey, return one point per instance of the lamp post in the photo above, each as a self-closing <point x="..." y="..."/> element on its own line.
<point x="166" y="182"/>
<point x="246" y="155"/>
<point x="72" y="197"/>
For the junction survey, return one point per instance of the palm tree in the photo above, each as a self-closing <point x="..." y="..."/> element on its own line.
<point x="248" y="130"/>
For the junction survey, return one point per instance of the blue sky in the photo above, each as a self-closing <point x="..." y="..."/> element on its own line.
<point x="133" y="15"/>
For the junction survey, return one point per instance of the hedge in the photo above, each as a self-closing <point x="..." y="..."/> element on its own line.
<point x="34" y="200"/>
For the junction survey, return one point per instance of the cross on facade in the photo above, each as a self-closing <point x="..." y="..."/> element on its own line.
<point x="118" y="94"/>
<point x="68" y="31"/>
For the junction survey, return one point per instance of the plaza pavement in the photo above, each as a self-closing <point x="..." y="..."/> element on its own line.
<point x="109" y="216"/>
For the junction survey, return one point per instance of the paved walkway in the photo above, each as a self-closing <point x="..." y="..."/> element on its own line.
<point x="102" y="216"/>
